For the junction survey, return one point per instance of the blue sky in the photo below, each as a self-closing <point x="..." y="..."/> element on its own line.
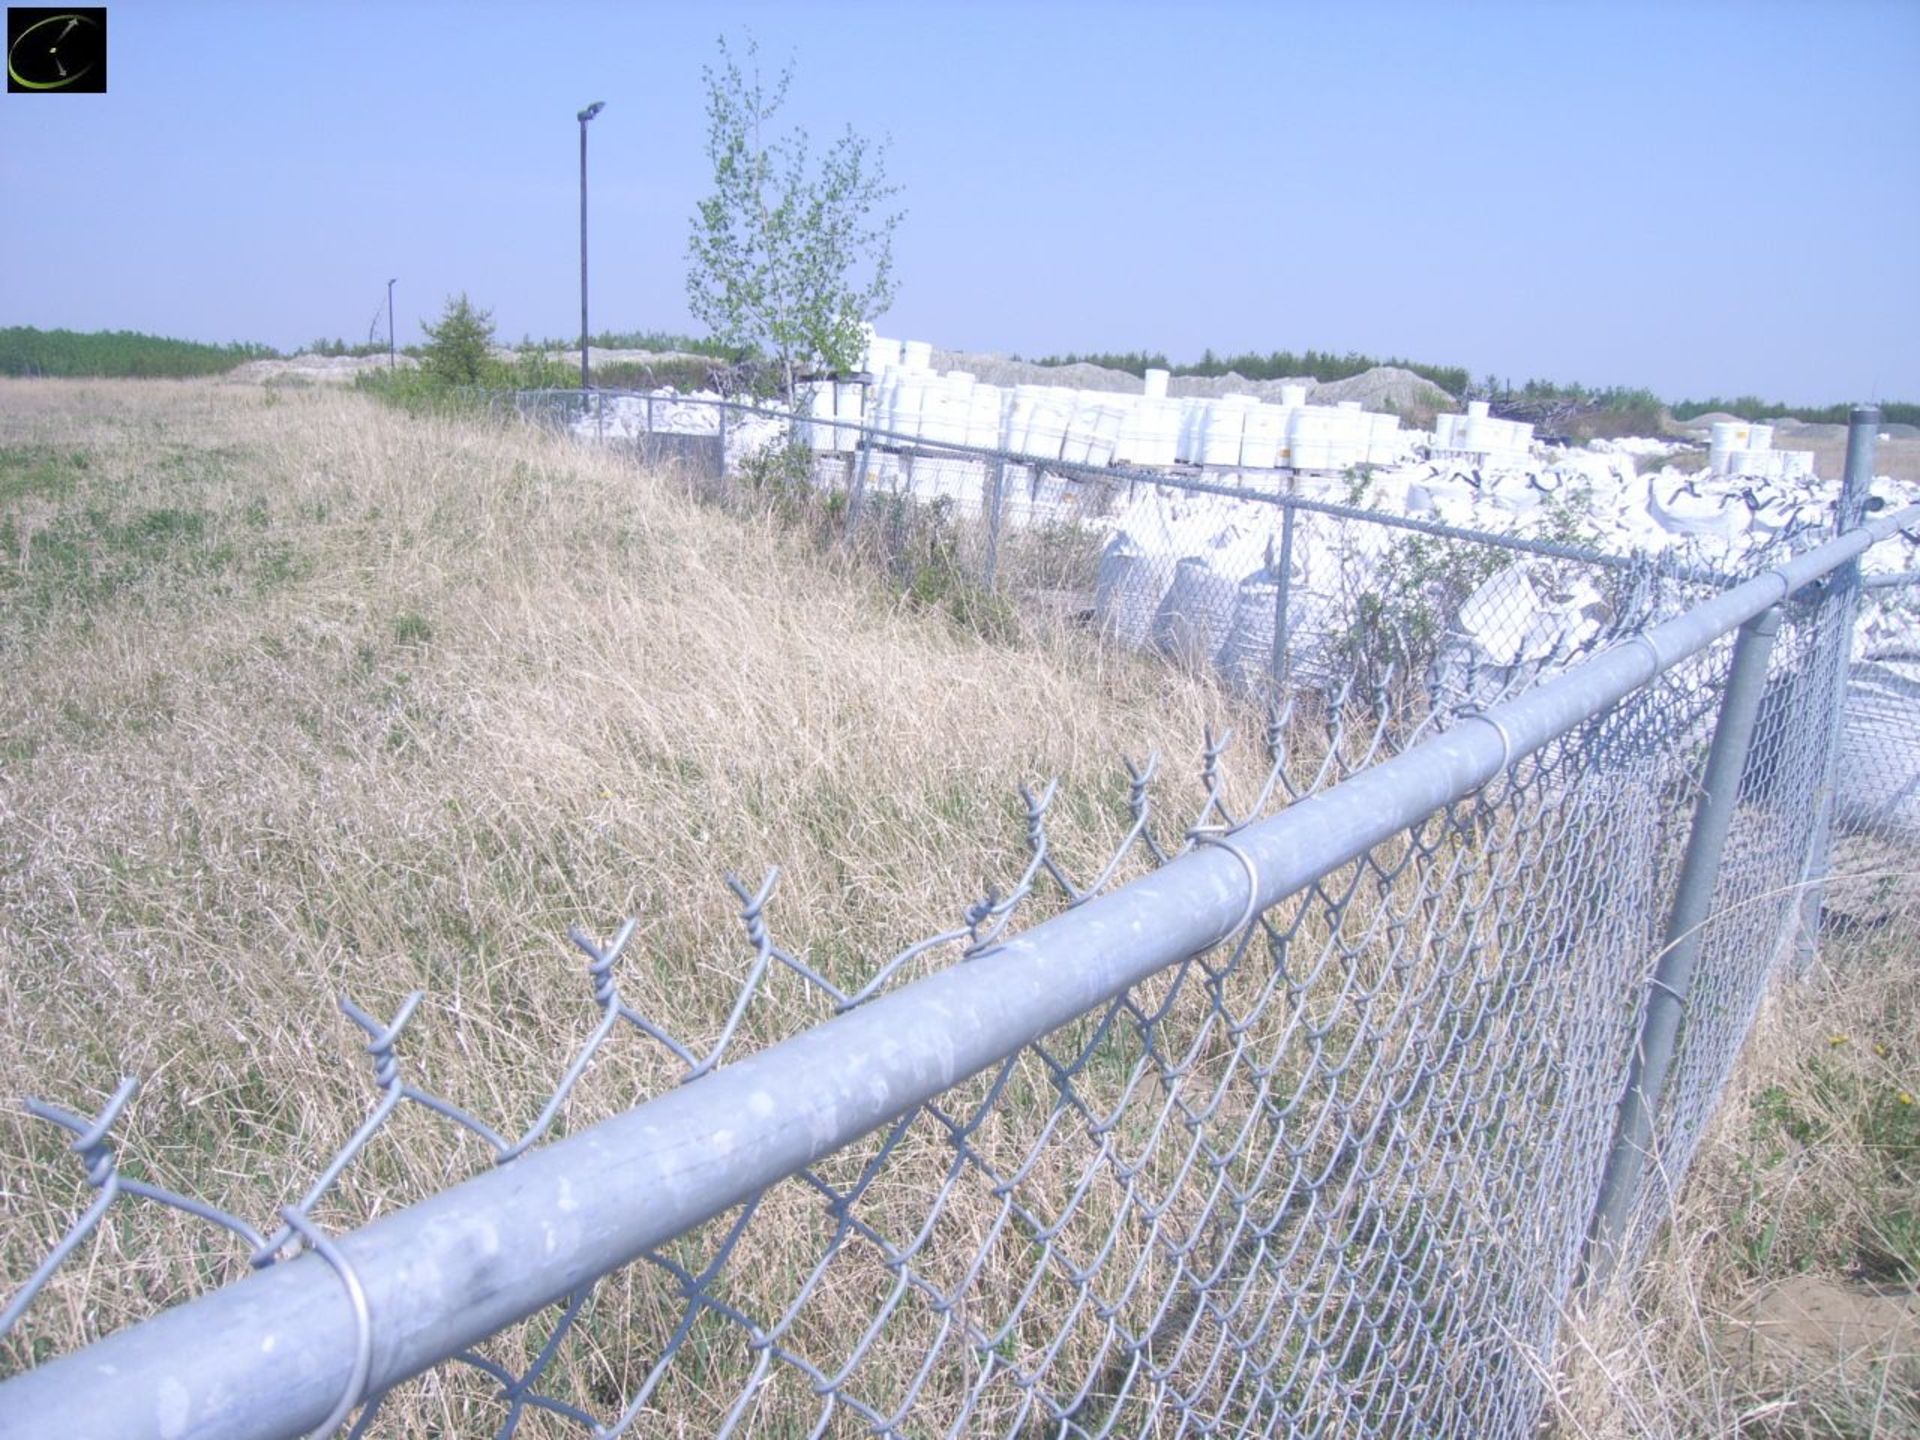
<point x="1700" y="197"/>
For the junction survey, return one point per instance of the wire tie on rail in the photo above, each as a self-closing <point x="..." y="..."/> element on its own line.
<point x="1506" y="741"/>
<point x="1208" y="837"/>
<point x="362" y="1319"/>
<point x="1653" y="651"/>
<point x="1654" y="982"/>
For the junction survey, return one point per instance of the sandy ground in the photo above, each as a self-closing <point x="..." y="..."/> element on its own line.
<point x="311" y="369"/>
<point x="1897" y="455"/>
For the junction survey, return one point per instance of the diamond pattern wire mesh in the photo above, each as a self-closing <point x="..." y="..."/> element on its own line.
<point x="1770" y="899"/>
<point x="1202" y="567"/>
<point x="1329" y="1178"/>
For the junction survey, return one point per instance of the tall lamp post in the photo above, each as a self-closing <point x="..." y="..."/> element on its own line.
<point x="585" y="115"/>
<point x="390" y="359"/>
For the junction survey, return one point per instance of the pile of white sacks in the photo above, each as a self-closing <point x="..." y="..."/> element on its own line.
<point x="1194" y="575"/>
<point x="1190" y="573"/>
<point x="1597" y="500"/>
<point x="1098" y="428"/>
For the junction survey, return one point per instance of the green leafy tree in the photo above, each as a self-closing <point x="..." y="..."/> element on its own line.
<point x="791" y="252"/>
<point x="459" y="346"/>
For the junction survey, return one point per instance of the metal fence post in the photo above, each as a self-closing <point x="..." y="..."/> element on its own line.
<point x="1282" y="602"/>
<point x="1839" y="607"/>
<point x="720" y="465"/>
<point x="1673" y="977"/>
<point x="856" y="496"/>
<point x="996" y="501"/>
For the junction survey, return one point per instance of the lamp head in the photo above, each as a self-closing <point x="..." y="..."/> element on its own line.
<point x="592" y="110"/>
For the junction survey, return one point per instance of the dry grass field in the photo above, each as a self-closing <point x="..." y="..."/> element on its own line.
<point x="308" y="698"/>
<point x="1784" y="1299"/>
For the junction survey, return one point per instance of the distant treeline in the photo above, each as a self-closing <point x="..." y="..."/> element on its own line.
<point x="1751" y="407"/>
<point x="1322" y="365"/>
<point x="27" y="351"/>
<point x="1642" y="406"/>
<point x="334" y="349"/>
<point x="1605" y="397"/>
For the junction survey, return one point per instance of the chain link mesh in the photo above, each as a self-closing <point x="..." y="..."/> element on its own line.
<point x="1330" y="1178"/>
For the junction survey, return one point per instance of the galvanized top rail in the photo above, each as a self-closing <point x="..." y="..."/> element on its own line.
<point x="298" y="1341"/>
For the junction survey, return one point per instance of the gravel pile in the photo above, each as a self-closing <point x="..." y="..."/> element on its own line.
<point x="312" y="369"/>
<point x="1385" y="387"/>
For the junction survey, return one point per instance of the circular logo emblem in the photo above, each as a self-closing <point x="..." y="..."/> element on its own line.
<point x="56" y="53"/>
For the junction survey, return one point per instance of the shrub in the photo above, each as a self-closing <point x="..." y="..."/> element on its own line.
<point x="793" y="250"/>
<point x="459" y="346"/>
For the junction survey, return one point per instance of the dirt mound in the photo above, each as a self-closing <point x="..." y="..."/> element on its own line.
<point x="1704" y="423"/>
<point x="999" y="370"/>
<point x="1385" y="387"/>
<point x="1811" y="1326"/>
<point x="1234" y="383"/>
<point x="1790" y="429"/>
<point x="310" y="369"/>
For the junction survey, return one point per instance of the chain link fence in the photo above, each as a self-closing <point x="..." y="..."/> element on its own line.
<point x="1270" y="578"/>
<point x="1291" y="1116"/>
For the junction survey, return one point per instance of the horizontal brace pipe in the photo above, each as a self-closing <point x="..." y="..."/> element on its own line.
<point x="1889" y="582"/>
<point x="271" y="1355"/>
<point x="1125" y="474"/>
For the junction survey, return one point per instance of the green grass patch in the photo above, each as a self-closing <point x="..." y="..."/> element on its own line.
<point x="93" y="536"/>
<point x="39" y="471"/>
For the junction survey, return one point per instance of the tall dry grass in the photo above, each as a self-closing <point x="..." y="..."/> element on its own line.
<point x="1782" y="1301"/>
<point x="307" y="698"/>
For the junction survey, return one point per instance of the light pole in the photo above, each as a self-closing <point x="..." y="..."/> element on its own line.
<point x="390" y="359"/>
<point x="585" y="115"/>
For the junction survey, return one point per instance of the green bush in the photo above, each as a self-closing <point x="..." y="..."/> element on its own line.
<point x="460" y="345"/>
<point x="1400" y="608"/>
<point x="529" y="370"/>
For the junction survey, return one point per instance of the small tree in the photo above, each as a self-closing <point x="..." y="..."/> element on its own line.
<point x="788" y="256"/>
<point x="458" y="348"/>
